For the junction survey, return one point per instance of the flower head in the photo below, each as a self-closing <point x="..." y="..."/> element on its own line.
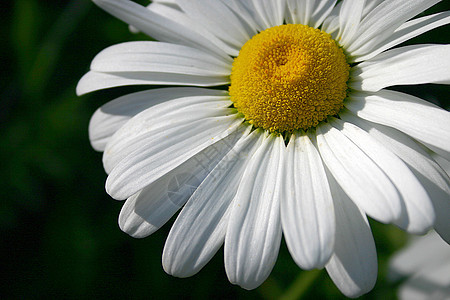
<point x="278" y="123"/>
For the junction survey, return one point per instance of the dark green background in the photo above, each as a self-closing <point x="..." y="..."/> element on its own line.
<point x="59" y="232"/>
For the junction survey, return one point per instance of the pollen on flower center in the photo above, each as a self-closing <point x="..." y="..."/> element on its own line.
<point x="289" y="77"/>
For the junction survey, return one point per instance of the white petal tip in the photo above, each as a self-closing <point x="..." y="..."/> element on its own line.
<point x="79" y="89"/>
<point x="135" y="226"/>
<point x="180" y="273"/>
<point x="137" y="234"/>
<point x="248" y="285"/>
<point x="84" y="85"/>
<point x="113" y="190"/>
<point x="103" y="2"/>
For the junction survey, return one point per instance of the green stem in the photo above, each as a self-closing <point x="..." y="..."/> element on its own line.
<point x="270" y="289"/>
<point x="301" y="285"/>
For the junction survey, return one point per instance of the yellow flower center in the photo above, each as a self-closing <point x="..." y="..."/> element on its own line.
<point x="289" y="77"/>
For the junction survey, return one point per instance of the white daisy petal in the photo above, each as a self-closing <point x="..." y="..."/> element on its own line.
<point x="413" y="154"/>
<point x="299" y="12"/>
<point x="309" y="12"/>
<point x="426" y="261"/>
<point x="441" y="204"/>
<point x="158" y="26"/>
<point x="408" y="65"/>
<point x="331" y="23"/>
<point x="415" y="117"/>
<point x="153" y="63"/>
<point x="417" y="254"/>
<point x="269" y="13"/>
<point x="242" y="9"/>
<point x="152" y="207"/>
<point x="173" y="12"/>
<point x="159" y="57"/>
<point x="369" y="6"/>
<point x="158" y="154"/>
<point x="253" y="235"/>
<point x="440" y="200"/>
<point x="442" y="162"/>
<point x="94" y="81"/>
<point x="322" y="9"/>
<point x="168" y="9"/>
<point x="247" y="5"/>
<point x="212" y="13"/>
<point x="200" y="228"/>
<point x="132" y="223"/>
<point x="307" y="213"/>
<point x="442" y="153"/>
<point x="114" y="114"/>
<point x="164" y="7"/>
<point x="405" y="32"/>
<point x="349" y="18"/>
<point x="431" y="176"/>
<point x="117" y="150"/>
<point x="166" y="2"/>
<point x="428" y="284"/>
<point x="365" y="183"/>
<point x="353" y="266"/>
<point x="418" y="216"/>
<point x="152" y="211"/>
<point x="160" y="121"/>
<point x="381" y="22"/>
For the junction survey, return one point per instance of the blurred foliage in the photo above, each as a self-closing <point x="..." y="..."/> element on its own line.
<point x="59" y="233"/>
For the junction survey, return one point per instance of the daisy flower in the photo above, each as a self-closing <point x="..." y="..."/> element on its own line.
<point x="425" y="262"/>
<point x="277" y="122"/>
